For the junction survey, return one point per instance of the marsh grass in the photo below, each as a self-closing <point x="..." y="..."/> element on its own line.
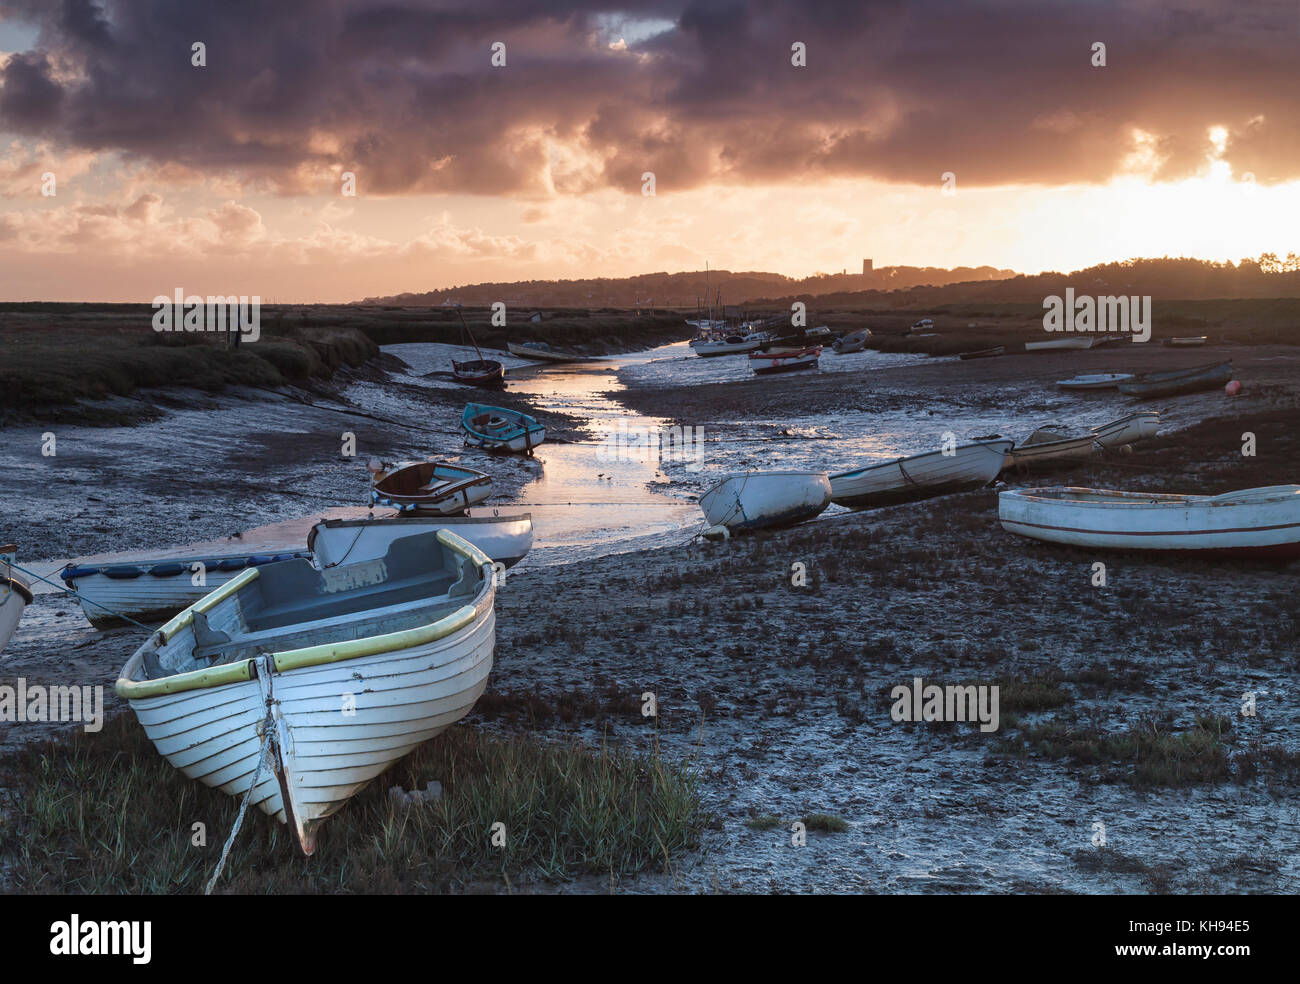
<point x="106" y="814"/>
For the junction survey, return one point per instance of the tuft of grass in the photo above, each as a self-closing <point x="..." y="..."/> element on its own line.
<point x="106" y="814"/>
<point x="826" y="823"/>
<point x="764" y="821"/>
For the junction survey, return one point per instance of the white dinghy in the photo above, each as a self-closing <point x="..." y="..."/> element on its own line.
<point x="271" y="657"/>
<point x="1094" y="381"/>
<point x="430" y="487"/>
<point x="15" y="594"/>
<point x="1129" y="429"/>
<point x="764" y="500"/>
<point x="1261" y="523"/>
<point x="1045" y="450"/>
<point x="505" y="539"/>
<point x="921" y="476"/>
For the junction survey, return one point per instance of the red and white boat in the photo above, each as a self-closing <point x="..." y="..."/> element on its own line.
<point x="784" y="359"/>
<point x="1262" y="523"/>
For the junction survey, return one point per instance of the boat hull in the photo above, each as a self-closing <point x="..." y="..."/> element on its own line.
<point x="767" y="363"/>
<point x="706" y="349"/>
<point x="458" y="488"/>
<point x="988" y="353"/>
<point x="921" y="476"/>
<point x="14" y="597"/>
<point x="517" y="432"/>
<point x="1157" y="384"/>
<point x="1128" y="430"/>
<point x="1051" y="454"/>
<point x="542" y="355"/>
<point x="1097" y="381"/>
<point x="487" y="374"/>
<point x="1057" y="344"/>
<point x="1255" y="523"/>
<point x="506" y="539"/>
<point x="766" y="500"/>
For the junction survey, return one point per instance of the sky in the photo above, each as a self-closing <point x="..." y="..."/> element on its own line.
<point x="503" y="140"/>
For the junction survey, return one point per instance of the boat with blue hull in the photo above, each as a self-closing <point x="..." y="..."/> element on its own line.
<point x="499" y="429"/>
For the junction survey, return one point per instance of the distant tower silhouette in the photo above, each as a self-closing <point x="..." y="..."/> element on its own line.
<point x="866" y="267"/>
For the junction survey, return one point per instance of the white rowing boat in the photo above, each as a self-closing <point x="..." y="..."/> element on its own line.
<point x="763" y="500"/>
<point x="505" y="539"/>
<point x="1045" y="450"/>
<point x="921" y="476"/>
<point x="776" y="360"/>
<point x="339" y="672"/>
<point x="1055" y="344"/>
<point x="1094" y="381"/>
<point x="430" y="487"/>
<point x="1261" y="523"/>
<point x="15" y="594"/>
<point x="1128" y="429"/>
<point x="854" y="341"/>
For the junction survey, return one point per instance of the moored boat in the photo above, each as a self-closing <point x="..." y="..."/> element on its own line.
<point x="1261" y="523"/>
<point x="775" y="360"/>
<point x="765" y="500"/>
<point x="329" y="677"/>
<point x="1045" y="450"/>
<point x="505" y="539"/>
<point x="1188" y="341"/>
<point x="1128" y="429"/>
<point x="541" y="352"/>
<point x="1094" y="380"/>
<point x="15" y="594"/>
<point x="499" y="429"/>
<point x="431" y="487"/>
<point x="1056" y="344"/>
<point x="484" y="373"/>
<point x="921" y="476"/>
<point x="1149" y="385"/>
<point x="854" y="341"/>
<point x="984" y="353"/>
<point x="728" y="343"/>
<point x="925" y="325"/>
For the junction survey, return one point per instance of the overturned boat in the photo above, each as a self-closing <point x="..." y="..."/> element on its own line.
<point x="968" y="466"/>
<point x="15" y="594"/>
<point x="1261" y="523"/>
<point x="431" y="487"/>
<point x="499" y="429"/>
<point x="327" y="677"/>
<point x="765" y="500"/>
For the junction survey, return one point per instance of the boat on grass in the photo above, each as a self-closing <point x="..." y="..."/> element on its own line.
<point x="775" y="360"/>
<point x="431" y="487"/>
<point x="1174" y="382"/>
<point x="1046" y="449"/>
<point x="340" y="672"/>
<point x="1128" y="429"/>
<point x="1094" y="380"/>
<point x="15" y="594"/>
<point x="505" y="539"/>
<point x="854" y="341"/>
<point x="922" y="476"/>
<point x="1260" y="523"/>
<point x="766" y="500"/>
<point x="499" y="429"/>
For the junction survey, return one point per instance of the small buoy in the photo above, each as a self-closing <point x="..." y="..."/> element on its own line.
<point x="1233" y="388"/>
<point x="1126" y="449"/>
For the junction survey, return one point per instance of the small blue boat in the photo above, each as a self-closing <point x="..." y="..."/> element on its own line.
<point x="499" y="429"/>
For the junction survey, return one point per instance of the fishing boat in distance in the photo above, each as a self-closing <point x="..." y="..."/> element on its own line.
<point x="774" y="360"/>
<point x="499" y="429"/>
<point x="505" y="539"/>
<point x="1189" y="341"/>
<point x="766" y="500"/>
<point x="269" y="659"/>
<point x="430" y="487"/>
<point x="1128" y="429"/>
<point x="1175" y="382"/>
<point x="922" y="476"/>
<point x="1045" y="450"/>
<point x="1057" y="344"/>
<point x="1094" y="381"/>
<point x="1260" y="523"/>
<point x="541" y="352"/>
<point x="854" y="341"/>
<point x="15" y="594"/>
<point x="984" y="353"/>
<point x="728" y="343"/>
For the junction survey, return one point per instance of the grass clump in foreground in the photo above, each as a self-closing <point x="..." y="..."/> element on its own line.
<point x="107" y="814"/>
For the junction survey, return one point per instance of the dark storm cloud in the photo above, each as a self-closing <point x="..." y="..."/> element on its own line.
<point x="403" y="92"/>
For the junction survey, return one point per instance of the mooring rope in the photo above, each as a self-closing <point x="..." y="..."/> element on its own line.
<point x="268" y="728"/>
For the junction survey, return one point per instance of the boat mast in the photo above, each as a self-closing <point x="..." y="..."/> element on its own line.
<point x="470" y="333"/>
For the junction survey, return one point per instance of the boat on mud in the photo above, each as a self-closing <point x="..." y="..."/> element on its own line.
<point x="484" y="373"/>
<point x="924" y="326"/>
<point x="242" y="691"/>
<point x="153" y="590"/>
<point x="1057" y="344"/>
<point x="505" y="539"/>
<point x="1261" y="523"/>
<point x="766" y="500"/>
<point x="984" y="353"/>
<point x="541" y="352"/>
<point x="430" y="487"/>
<point x="15" y="594"/>
<point x="732" y="343"/>
<point x="1094" y="380"/>
<point x="1187" y="341"/>
<point x="854" y="341"/>
<point x="499" y="429"/>
<point x="1128" y="429"/>
<point x="921" y="476"/>
<point x="774" y="360"/>
<point x="1175" y="382"/>
<point x="1045" y="450"/>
